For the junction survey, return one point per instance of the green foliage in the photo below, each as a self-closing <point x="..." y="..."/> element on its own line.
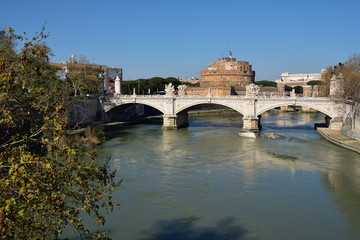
<point x="25" y="79"/>
<point x="266" y="83"/>
<point x="45" y="182"/>
<point x="313" y="83"/>
<point x="192" y="84"/>
<point x="83" y="76"/>
<point x="154" y="84"/>
<point x="288" y="88"/>
<point x="7" y="47"/>
<point x="298" y="89"/>
<point x="93" y="136"/>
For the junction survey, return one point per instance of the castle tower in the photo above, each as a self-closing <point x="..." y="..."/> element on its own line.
<point x="227" y="73"/>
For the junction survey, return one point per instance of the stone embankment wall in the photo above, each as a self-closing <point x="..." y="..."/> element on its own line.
<point x="351" y="125"/>
<point x="89" y="111"/>
<point x="86" y="111"/>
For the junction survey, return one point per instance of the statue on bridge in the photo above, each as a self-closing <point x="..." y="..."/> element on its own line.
<point x="292" y="93"/>
<point x="252" y="89"/>
<point x="169" y="89"/>
<point x="182" y="90"/>
<point x="336" y="67"/>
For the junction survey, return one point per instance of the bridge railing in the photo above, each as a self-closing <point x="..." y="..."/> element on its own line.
<point x="118" y="96"/>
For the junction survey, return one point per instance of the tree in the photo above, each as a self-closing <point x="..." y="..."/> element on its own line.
<point x="326" y="75"/>
<point x="266" y="83"/>
<point x="351" y="74"/>
<point x="314" y="82"/>
<point x="191" y="84"/>
<point x="6" y="46"/>
<point x="298" y="89"/>
<point x="288" y="88"/>
<point x="45" y="180"/>
<point x="154" y="84"/>
<point x="83" y="76"/>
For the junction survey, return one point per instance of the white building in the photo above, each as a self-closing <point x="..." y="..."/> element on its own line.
<point x="299" y="79"/>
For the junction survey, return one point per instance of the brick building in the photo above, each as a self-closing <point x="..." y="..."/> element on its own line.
<point x="227" y="73"/>
<point x="224" y="77"/>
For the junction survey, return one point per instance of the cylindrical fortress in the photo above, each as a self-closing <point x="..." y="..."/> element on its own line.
<point x="227" y="73"/>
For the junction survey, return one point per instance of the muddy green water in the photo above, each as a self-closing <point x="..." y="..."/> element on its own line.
<point x="205" y="182"/>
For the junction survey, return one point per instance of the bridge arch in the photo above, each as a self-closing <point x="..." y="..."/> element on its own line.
<point x="127" y="104"/>
<point x="188" y="106"/>
<point x="317" y="108"/>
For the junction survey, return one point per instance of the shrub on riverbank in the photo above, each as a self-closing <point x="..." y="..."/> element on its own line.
<point x="93" y="136"/>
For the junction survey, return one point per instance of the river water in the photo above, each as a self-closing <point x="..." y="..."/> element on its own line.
<point x="206" y="182"/>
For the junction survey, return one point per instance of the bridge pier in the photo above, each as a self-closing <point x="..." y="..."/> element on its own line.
<point x="251" y="123"/>
<point x="175" y="121"/>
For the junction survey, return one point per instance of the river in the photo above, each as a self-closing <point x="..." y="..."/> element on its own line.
<point x="206" y="182"/>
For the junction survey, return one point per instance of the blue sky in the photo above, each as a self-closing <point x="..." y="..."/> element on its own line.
<point x="166" y="38"/>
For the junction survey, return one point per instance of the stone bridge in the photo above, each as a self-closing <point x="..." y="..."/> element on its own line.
<point x="174" y="107"/>
<point x="251" y="106"/>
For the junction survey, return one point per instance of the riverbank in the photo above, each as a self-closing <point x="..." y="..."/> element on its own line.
<point x="340" y="139"/>
<point x="116" y="124"/>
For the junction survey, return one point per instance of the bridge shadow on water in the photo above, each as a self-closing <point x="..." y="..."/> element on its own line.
<point x="187" y="229"/>
<point x="214" y="124"/>
<point x="273" y="126"/>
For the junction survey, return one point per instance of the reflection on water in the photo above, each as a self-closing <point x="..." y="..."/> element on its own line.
<point x="205" y="182"/>
<point x="289" y="119"/>
<point x="345" y="190"/>
<point x="185" y="228"/>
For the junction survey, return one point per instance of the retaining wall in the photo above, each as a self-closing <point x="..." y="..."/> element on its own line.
<point x="351" y="125"/>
